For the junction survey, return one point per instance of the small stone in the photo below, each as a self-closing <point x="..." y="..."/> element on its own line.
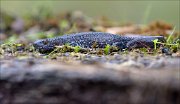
<point x="157" y="64"/>
<point x="132" y="63"/>
<point x="166" y="51"/>
<point x="66" y="54"/>
<point x="117" y="56"/>
<point x="116" y="61"/>
<point x="145" y="62"/>
<point x="87" y="56"/>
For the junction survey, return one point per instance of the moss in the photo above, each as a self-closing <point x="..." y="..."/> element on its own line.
<point x="77" y="49"/>
<point x="107" y="49"/>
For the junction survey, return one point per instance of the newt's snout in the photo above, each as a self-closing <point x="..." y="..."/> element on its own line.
<point x="43" y="46"/>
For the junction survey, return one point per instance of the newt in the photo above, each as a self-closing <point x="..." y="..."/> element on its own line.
<point x="87" y="39"/>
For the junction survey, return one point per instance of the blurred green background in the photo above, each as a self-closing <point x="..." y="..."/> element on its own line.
<point x="137" y="11"/>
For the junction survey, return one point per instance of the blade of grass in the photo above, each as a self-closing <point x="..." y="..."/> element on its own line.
<point x="169" y="37"/>
<point x="107" y="49"/>
<point x="147" y="13"/>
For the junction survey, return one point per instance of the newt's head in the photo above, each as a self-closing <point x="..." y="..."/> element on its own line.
<point x="144" y="41"/>
<point x="44" y="45"/>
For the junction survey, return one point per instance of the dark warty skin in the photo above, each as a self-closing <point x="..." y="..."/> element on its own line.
<point x="87" y="39"/>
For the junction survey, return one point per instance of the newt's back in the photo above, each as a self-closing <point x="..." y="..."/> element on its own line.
<point x="101" y="39"/>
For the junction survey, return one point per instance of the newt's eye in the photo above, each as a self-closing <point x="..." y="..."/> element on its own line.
<point x="45" y="42"/>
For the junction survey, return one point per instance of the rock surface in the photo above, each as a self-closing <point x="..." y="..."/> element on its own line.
<point x="41" y="81"/>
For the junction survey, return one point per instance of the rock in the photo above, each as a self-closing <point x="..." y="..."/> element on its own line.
<point x="157" y="64"/>
<point x="165" y="63"/>
<point x="131" y="63"/>
<point x="52" y="82"/>
<point x="18" y="25"/>
<point x="166" y="51"/>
